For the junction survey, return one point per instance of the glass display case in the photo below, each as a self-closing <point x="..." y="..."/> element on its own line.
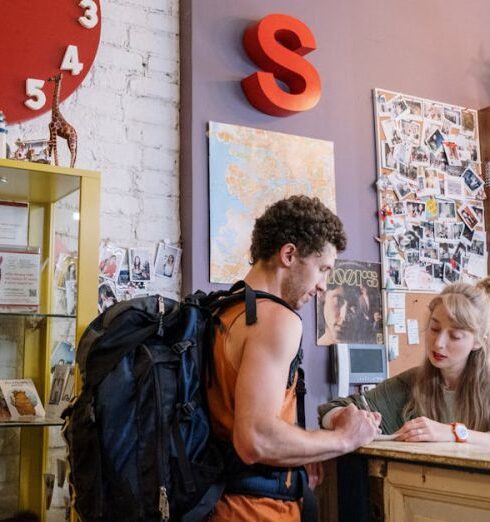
<point x="49" y="237"/>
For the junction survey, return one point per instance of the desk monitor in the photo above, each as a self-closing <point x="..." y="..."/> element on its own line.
<point x="359" y="364"/>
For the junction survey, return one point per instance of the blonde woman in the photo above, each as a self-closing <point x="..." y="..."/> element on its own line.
<point x="447" y="398"/>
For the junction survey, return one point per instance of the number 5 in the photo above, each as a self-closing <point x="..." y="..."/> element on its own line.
<point x="34" y="90"/>
<point x="90" y="19"/>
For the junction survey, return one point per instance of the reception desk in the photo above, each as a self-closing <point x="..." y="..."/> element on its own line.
<point x="408" y="482"/>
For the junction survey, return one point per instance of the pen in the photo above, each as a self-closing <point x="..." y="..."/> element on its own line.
<point x="365" y="402"/>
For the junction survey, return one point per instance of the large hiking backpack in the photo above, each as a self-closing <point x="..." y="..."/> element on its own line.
<point x="139" y="436"/>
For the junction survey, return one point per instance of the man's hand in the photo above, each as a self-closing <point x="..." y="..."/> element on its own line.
<point x="358" y="427"/>
<point x="316" y="474"/>
<point x="423" y="429"/>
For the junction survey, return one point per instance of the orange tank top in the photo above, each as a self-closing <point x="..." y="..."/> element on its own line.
<point x="221" y="399"/>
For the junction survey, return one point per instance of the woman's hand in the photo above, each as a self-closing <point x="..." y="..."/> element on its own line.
<point x="423" y="429"/>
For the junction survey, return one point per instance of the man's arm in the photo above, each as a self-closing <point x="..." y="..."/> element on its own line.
<point x="259" y="434"/>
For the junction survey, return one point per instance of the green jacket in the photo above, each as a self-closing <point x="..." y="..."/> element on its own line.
<point x="389" y="398"/>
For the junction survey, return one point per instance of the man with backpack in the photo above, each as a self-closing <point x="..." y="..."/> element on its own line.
<point x="252" y="398"/>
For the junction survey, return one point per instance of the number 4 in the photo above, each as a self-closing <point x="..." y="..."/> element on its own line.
<point x="70" y="61"/>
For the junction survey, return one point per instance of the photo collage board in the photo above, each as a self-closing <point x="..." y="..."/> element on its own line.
<point x="430" y="193"/>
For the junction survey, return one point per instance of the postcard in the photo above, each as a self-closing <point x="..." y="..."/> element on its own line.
<point x="450" y="275"/>
<point x="468" y="216"/>
<point x="167" y="261"/>
<point x="140" y="266"/>
<point x="399" y="108"/>
<point x="433" y="111"/>
<point x="447" y="209"/>
<point x="63" y="353"/>
<point x="111" y="259"/>
<point x="452" y="153"/>
<point x="468" y="122"/>
<point x="453" y="115"/>
<point x="387" y="156"/>
<point x="454" y="187"/>
<point x="420" y="156"/>
<point x="472" y="181"/>
<point x="21" y="398"/>
<point x="415" y="108"/>
<point x="435" y="140"/>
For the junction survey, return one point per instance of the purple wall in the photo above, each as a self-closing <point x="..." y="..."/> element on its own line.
<point x="434" y="49"/>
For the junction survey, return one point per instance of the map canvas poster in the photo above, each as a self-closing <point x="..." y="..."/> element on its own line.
<point x="250" y="169"/>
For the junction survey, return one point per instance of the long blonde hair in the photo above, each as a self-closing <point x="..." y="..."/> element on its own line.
<point x="468" y="307"/>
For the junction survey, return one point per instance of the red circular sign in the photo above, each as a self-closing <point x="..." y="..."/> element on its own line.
<point x="38" y="40"/>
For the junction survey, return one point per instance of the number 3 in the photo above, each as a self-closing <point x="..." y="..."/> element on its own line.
<point x="34" y="90"/>
<point x="90" y="19"/>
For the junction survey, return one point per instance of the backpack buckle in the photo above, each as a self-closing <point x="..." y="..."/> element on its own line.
<point x="187" y="408"/>
<point x="181" y="347"/>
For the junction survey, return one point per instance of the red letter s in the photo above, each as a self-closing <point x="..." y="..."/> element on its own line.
<point x="276" y="44"/>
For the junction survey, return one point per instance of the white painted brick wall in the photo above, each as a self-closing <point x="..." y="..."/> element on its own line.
<point x="126" y="114"/>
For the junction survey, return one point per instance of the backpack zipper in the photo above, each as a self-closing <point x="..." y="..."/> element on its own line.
<point x="163" y="504"/>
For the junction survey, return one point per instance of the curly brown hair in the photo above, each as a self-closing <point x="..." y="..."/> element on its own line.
<point x="306" y="222"/>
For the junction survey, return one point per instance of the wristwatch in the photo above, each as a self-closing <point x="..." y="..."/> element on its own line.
<point x="460" y="431"/>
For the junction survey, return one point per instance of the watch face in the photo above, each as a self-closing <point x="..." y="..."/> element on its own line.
<point x="461" y="431"/>
<point x="38" y="40"/>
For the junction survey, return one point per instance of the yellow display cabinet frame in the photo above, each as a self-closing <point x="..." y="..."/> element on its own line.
<point x="42" y="186"/>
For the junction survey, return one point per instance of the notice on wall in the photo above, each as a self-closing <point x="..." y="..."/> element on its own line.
<point x="413" y="331"/>
<point x="14" y="217"/>
<point x="19" y="278"/>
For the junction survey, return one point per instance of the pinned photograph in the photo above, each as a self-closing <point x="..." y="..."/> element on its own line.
<point x="453" y="116"/>
<point x="445" y="251"/>
<point x="403" y="152"/>
<point x="428" y="227"/>
<point x="429" y="251"/>
<point x="399" y="107"/>
<point x="167" y="261"/>
<point x="468" y="216"/>
<point x="472" y="180"/>
<point x="390" y="130"/>
<point x="401" y="187"/>
<point x="452" y="153"/>
<point x="478" y="210"/>
<point x="478" y="245"/>
<point x="415" y="108"/>
<point x="431" y="209"/>
<point x="409" y="172"/>
<point x="107" y="296"/>
<point x="412" y="257"/>
<point x="457" y="256"/>
<point x="63" y="353"/>
<point x="435" y="140"/>
<point x="394" y="273"/>
<point x="447" y="209"/>
<point x="387" y="156"/>
<point x="468" y="122"/>
<point x="433" y="111"/>
<point x="420" y="156"/>
<point x="467" y="235"/>
<point x="454" y="187"/>
<point x="412" y="130"/>
<point x="399" y="208"/>
<point x="384" y="107"/>
<point x="409" y="240"/>
<point x="450" y="275"/>
<point x="418" y="229"/>
<point x="432" y="186"/>
<point x="140" y="266"/>
<point x="110" y="261"/>
<point x="415" y="209"/>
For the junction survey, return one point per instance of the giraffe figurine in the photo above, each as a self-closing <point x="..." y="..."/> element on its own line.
<point x="58" y="126"/>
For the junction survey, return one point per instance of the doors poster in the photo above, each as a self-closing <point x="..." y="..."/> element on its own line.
<point x="430" y="193"/>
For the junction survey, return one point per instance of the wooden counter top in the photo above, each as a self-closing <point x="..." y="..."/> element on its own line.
<point x="446" y="453"/>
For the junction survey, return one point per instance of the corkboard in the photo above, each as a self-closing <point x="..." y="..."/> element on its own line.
<point x="416" y="307"/>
